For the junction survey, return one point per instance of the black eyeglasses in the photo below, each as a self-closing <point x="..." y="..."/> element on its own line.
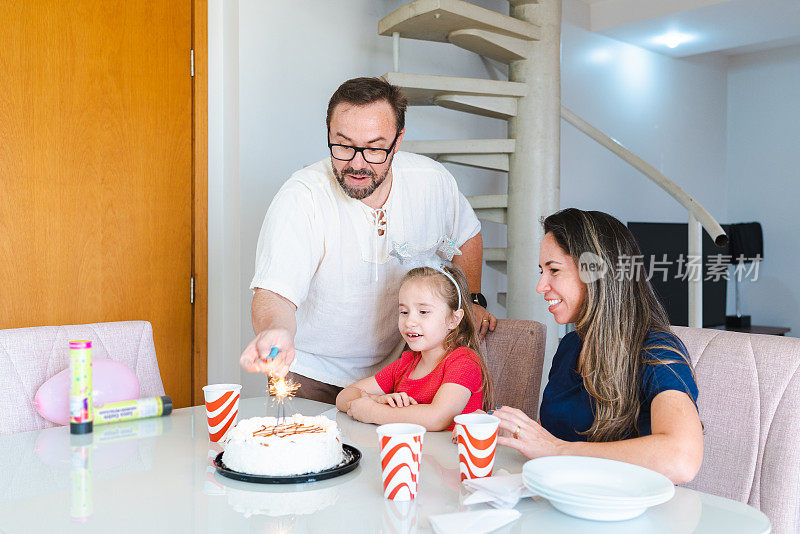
<point x="376" y="156"/>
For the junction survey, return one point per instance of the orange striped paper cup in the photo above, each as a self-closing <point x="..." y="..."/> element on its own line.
<point x="477" y="440"/>
<point x="400" y="448"/>
<point x="222" y="409"/>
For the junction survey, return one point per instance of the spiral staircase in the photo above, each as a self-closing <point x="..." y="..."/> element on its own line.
<point x="528" y="41"/>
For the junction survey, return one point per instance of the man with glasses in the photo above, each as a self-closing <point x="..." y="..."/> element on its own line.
<point x="339" y="236"/>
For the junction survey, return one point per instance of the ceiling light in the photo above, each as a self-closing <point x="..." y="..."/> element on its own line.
<point x="673" y="39"/>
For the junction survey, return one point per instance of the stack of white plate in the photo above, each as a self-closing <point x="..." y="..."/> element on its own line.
<point x="595" y="488"/>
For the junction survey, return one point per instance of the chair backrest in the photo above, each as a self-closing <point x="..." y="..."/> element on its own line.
<point x="750" y="407"/>
<point x="30" y="356"/>
<point x="515" y="355"/>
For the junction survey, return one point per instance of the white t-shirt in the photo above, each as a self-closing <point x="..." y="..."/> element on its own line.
<point x="323" y="251"/>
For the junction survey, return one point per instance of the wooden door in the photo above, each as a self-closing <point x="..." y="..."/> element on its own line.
<point x="96" y="169"/>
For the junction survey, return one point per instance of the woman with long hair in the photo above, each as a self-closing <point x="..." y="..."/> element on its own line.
<point x="621" y="385"/>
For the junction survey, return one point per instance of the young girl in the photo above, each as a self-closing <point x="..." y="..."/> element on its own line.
<point x="443" y="374"/>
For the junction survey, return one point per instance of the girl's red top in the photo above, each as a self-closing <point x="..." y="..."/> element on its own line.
<point x="459" y="367"/>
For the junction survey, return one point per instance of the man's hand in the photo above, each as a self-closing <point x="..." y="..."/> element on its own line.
<point x="395" y="400"/>
<point x="255" y="357"/>
<point x="484" y="321"/>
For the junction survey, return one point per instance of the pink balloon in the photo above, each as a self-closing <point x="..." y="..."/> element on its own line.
<point x="111" y="382"/>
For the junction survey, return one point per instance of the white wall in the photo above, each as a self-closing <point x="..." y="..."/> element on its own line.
<point x="764" y="177"/>
<point x="224" y="242"/>
<point x="671" y="112"/>
<point x="292" y="56"/>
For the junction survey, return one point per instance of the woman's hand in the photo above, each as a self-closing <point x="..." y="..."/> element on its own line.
<point x="395" y="400"/>
<point x="520" y="432"/>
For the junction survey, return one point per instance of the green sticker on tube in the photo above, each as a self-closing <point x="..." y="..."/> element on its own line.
<point x="113" y="412"/>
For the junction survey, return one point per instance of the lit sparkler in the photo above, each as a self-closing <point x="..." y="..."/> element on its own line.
<point x="281" y="389"/>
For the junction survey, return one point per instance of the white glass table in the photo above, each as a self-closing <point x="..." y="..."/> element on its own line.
<point x="154" y="475"/>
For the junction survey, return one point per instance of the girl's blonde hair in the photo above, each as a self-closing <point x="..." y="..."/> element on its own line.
<point x="465" y="334"/>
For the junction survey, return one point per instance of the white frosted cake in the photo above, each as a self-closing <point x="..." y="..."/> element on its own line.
<point x="298" y="445"/>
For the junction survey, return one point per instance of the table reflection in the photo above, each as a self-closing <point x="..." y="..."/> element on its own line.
<point x="274" y="500"/>
<point x="679" y="515"/>
<point x="52" y="460"/>
<point x="399" y="517"/>
<point x="80" y="495"/>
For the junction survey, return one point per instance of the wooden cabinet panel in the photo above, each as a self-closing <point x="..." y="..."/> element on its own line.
<point x="96" y="169"/>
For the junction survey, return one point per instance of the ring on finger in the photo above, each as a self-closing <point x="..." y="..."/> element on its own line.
<point x="516" y="432"/>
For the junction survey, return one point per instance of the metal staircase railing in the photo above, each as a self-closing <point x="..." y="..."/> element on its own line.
<point x="699" y="217"/>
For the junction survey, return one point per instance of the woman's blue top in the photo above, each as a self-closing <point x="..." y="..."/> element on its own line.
<point x="567" y="408"/>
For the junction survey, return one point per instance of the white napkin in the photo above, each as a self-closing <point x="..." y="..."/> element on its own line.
<point x="500" y="491"/>
<point x="475" y="522"/>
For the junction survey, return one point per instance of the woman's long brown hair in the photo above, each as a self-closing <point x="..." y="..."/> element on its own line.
<point x="617" y="316"/>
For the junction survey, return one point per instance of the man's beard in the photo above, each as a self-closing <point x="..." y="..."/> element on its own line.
<point x="360" y="193"/>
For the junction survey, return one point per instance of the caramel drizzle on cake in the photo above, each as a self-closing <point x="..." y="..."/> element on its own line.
<point x="289" y="429"/>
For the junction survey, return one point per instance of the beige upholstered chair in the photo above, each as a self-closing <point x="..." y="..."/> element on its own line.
<point x="750" y="406"/>
<point x="515" y="355"/>
<point x="30" y="356"/>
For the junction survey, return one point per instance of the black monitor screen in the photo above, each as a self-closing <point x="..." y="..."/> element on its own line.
<point x="671" y="239"/>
